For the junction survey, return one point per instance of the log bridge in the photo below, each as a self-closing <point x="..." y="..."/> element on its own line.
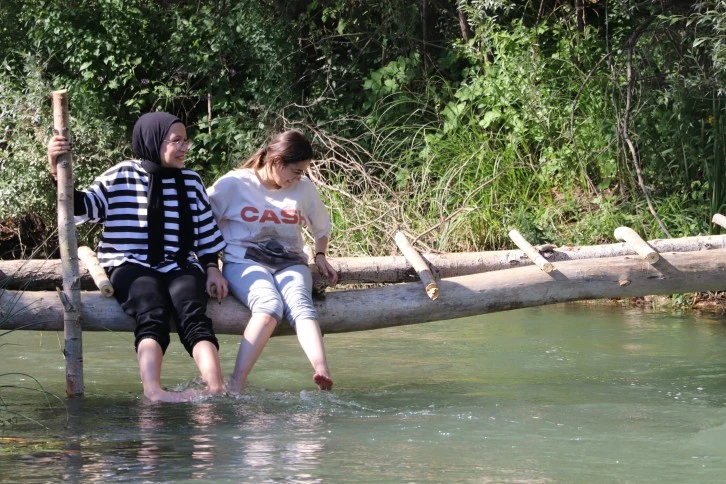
<point x="402" y="292"/>
<point x="466" y="284"/>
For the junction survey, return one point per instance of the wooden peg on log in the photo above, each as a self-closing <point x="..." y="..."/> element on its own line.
<point x="719" y="220"/>
<point x="531" y="252"/>
<point x="68" y="244"/>
<point x="636" y="243"/>
<point x="419" y="265"/>
<point x="97" y="273"/>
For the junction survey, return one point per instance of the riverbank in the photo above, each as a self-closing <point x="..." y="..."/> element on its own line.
<point x="704" y="302"/>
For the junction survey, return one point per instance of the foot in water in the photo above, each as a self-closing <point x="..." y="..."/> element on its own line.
<point x="172" y="397"/>
<point x="232" y="386"/>
<point x="323" y="382"/>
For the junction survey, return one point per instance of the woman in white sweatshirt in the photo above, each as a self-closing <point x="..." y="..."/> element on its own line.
<point x="261" y="209"/>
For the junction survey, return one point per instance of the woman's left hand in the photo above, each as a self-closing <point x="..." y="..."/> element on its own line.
<point x="217" y="285"/>
<point x="326" y="269"/>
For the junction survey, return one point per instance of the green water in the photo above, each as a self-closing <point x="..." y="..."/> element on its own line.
<point x="567" y="393"/>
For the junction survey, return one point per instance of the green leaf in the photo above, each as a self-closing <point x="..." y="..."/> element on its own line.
<point x="489" y="117"/>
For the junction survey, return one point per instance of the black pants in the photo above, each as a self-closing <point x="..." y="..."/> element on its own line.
<point x="152" y="298"/>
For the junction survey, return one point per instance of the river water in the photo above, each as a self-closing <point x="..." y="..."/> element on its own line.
<point x="565" y="393"/>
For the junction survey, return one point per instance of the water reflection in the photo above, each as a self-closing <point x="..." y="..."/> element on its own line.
<point x="72" y="451"/>
<point x="260" y="426"/>
<point x="160" y="439"/>
<point x="204" y="446"/>
<point x="151" y="424"/>
<point x="259" y="433"/>
<point x="547" y="395"/>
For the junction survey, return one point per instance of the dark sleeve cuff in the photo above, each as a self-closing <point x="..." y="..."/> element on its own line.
<point x="79" y="203"/>
<point x="209" y="260"/>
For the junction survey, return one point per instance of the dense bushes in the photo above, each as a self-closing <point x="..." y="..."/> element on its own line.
<point x="451" y="121"/>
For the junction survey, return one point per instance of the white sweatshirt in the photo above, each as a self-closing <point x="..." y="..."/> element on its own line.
<point x="248" y="214"/>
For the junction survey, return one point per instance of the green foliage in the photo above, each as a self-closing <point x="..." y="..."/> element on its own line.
<point x="520" y="125"/>
<point x="24" y="182"/>
<point x="502" y="147"/>
<point x="230" y="77"/>
<point x="677" y="117"/>
<point x="391" y="78"/>
<point x="218" y="67"/>
<point x="25" y="185"/>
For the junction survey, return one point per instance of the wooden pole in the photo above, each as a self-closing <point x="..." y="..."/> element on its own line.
<point x="70" y="296"/>
<point x="98" y="274"/>
<point x="636" y="243"/>
<point x="530" y="251"/>
<point x="419" y="265"/>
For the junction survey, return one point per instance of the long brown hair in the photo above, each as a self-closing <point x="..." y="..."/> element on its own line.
<point x="287" y="147"/>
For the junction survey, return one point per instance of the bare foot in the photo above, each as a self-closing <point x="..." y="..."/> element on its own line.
<point x="324" y="382"/>
<point x="171" y="397"/>
<point x="214" y="390"/>
<point x="232" y="386"/>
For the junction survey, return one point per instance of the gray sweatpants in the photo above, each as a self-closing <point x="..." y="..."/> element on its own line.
<point x="286" y="292"/>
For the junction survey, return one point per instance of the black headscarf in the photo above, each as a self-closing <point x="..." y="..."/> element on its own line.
<point x="149" y="132"/>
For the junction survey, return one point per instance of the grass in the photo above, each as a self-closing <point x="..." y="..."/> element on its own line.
<point x="12" y="384"/>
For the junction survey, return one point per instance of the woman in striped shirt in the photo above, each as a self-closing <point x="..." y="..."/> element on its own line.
<point x="160" y="246"/>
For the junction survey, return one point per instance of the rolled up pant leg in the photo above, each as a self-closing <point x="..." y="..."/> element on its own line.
<point x="295" y="284"/>
<point x="143" y="296"/>
<point x="189" y="304"/>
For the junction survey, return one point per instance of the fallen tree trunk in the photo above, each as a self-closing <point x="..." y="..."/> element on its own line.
<point x="396" y="305"/>
<point x="39" y="275"/>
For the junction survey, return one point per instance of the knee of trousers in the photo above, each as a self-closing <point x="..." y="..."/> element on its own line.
<point x="268" y="303"/>
<point x="192" y="310"/>
<point x="300" y="311"/>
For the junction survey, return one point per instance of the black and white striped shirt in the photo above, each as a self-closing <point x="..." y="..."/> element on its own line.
<point x="118" y="198"/>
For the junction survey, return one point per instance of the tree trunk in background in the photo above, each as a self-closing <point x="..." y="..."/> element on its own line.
<point x="580" y="15"/>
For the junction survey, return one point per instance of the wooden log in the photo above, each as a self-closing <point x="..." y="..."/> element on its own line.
<point x="402" y="304"/>
<point x="630" y="237"/>
<point x="98" y="274"/>
<point x="719" y="220"/>
<point x="418" y="264"/>
<point x="530" y="251"/>
<point x="44" y="275"/>
<point x="68" y="244"/>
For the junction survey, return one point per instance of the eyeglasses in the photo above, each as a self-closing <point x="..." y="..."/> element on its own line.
<point x="181" y="144"/>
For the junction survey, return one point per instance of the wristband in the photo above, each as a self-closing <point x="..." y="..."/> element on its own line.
<point x="317" y="254"/>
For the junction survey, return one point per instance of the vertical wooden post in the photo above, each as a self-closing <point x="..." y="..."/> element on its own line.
<point x="71" y="294"/>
